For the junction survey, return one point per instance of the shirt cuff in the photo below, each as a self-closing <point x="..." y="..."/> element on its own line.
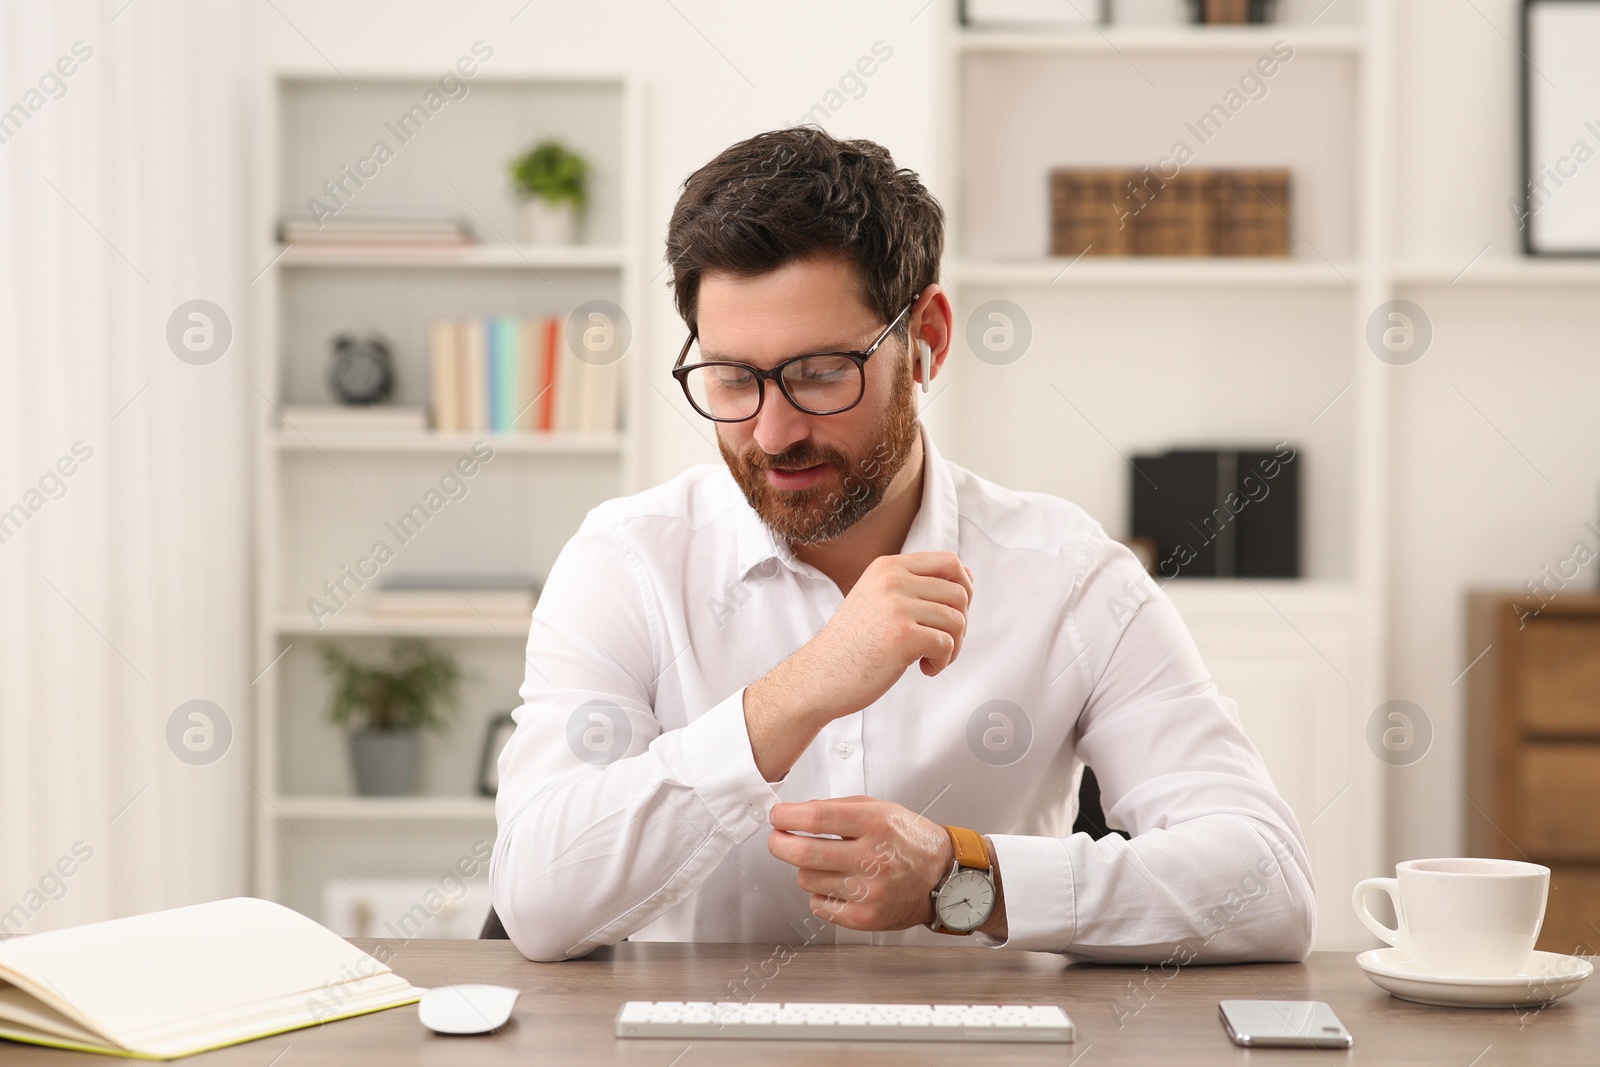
<point x="712" y="756"/>
<point x="1041" y="904"/>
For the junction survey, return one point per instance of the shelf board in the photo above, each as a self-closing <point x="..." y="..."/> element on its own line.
<point x="428" y="441"/>
<point x="1261" y="595"/>
<point x="523" y="257"/>
<point x="373" y="809"/>
<point x="355" y="623"/>
<point x="1531" y="272"/>
<point x="1155" y="271"/>
<point x="1171" y="40"/>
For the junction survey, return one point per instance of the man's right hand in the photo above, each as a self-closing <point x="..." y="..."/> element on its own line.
<point x="904" y="609"/>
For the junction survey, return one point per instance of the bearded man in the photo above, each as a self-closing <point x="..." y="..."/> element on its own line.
<point x="721" y="738"/>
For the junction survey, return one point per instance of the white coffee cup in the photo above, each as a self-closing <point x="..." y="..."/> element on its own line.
<point x="1462" y="918"/>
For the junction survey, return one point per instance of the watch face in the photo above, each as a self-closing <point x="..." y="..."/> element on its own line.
<point x="966" y="900"/>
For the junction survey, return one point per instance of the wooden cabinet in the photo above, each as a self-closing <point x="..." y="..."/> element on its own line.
<point x="1533" y="749"/>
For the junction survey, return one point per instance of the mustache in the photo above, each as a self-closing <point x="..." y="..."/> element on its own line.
<point x="795" y="457"/>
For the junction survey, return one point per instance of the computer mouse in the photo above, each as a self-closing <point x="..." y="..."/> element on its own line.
<point x="466" y="1009"/>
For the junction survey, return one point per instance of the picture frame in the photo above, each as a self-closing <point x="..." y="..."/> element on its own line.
<point x="499" y="731"/>
<point x="1558" y="212"/>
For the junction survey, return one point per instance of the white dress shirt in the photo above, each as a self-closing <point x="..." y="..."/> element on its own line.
<point x="630" y="805"/>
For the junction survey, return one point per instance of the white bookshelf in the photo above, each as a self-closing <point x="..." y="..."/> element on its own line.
<point x="380" y="441"/>
<point x="514" y="256"/>
<point x="1488" y="273"/>
<point x="1151" y="271"/>
<point x="386" y="809"/>
<point x="1206" y="351"/>
<point x="358" y="624"/>
<point x="324" y="495"/>
<point x="1182" y="40"/>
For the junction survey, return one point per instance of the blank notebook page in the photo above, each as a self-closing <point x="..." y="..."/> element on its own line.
<point x="218" y="972"/>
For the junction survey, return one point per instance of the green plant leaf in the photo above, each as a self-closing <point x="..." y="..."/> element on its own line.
<point x="418" y="690"/>
<point x="553" y="173"/>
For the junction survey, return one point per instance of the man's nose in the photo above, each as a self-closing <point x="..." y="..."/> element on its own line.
<point x="779" y="424"/>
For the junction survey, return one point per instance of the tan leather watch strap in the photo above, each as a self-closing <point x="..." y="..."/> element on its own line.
<point x="969" y="848"/>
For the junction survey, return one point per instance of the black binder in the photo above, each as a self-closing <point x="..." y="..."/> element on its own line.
<point x="1221" y="513"/>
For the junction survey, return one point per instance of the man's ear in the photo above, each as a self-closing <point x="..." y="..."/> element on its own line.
<point x="931" y="336"/>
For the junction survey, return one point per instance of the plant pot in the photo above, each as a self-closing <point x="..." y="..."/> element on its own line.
<point x="544" y="223"/>
<point x="386" y="762"/>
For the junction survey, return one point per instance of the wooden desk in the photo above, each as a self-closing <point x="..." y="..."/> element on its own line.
<point x="567" y="1012"/>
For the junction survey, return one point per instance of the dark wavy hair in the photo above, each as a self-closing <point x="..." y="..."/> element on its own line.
<point x="789" y="194"/>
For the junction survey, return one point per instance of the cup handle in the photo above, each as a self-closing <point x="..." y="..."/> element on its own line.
<point x="1358" y="899"/>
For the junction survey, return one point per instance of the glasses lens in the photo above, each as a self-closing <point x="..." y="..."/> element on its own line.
<point x="724" y="392"/>
<point x="823" y="384"/>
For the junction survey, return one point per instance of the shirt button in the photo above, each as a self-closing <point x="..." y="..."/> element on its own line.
<point x="669" y="898"/>
<point x="757" y="814"/>
<point x="843" y="749"/>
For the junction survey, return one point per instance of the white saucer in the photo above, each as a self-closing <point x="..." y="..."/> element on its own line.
<point x="1547" y="976"/>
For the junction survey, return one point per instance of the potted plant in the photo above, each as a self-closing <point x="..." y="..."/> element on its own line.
<point x="389" y="706"/>
<point x="552" y="182"/>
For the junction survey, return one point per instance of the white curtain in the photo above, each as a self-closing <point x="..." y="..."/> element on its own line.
<point x="125" y="472"/>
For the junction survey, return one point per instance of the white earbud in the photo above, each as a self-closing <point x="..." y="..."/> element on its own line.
<point x="925" y="356"/>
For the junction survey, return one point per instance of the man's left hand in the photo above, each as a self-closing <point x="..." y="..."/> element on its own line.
<point x="879" y="873"/>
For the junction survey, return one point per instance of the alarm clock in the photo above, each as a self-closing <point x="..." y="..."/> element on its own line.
<point x="363" y="369"/>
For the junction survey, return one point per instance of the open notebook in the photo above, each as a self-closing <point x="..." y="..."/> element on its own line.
<point x="173" y="983"/>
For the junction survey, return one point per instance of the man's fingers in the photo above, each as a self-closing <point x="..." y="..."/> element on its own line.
<point x="846" y="818"/>
<point x="817" y="853"/>
<point x="838" y="911"/>
<point x="935" y="648"/>
<point x="843" y="885"/>
<point x="937" y="591"/>
<point x="946" y="565"/>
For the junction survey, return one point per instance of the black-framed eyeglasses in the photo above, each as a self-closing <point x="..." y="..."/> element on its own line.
<point x="820" y="383"/>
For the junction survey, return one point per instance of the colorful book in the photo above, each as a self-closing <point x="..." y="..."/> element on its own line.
<point x="570" y="379"/>
<point x="530" y="375"/>
<point x="474" y="367"/>
<point x="444" y="400"/>
<point x="504" y="345"/>
<point x="508" y="374"/>
<point x="551" y="377"/>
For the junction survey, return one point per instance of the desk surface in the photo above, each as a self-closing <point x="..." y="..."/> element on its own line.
<point x="1125" y="1015"/>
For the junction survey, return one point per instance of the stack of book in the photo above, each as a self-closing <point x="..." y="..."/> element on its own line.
<point x="392" y="228"/>
<point x="1032" y="14"/>
<point x="506" y="374"/>
<point x="309" y="418"/>
<point x="1230" y="12"/>
<point x="1127" y="212"/>
<point x="461" y="596"/>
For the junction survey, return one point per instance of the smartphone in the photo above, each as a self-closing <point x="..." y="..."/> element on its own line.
<point x="1291" y="1023"/>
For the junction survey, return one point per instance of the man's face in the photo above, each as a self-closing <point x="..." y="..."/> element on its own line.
<point x="809" y="477"/>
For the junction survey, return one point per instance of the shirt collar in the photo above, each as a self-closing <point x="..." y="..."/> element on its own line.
<point x="935" y="528"/>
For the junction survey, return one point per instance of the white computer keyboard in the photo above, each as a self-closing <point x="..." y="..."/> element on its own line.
<point x="756" y="1021"/>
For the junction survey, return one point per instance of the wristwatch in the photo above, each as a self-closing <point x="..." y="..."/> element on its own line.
<point x="965" y="899"/>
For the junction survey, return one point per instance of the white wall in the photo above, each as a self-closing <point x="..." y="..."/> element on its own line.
<point x="1472" y="505"/>
<point x="125" y="595"/>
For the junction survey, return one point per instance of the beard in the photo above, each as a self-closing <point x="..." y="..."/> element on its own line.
<point x="824" y="511"/>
